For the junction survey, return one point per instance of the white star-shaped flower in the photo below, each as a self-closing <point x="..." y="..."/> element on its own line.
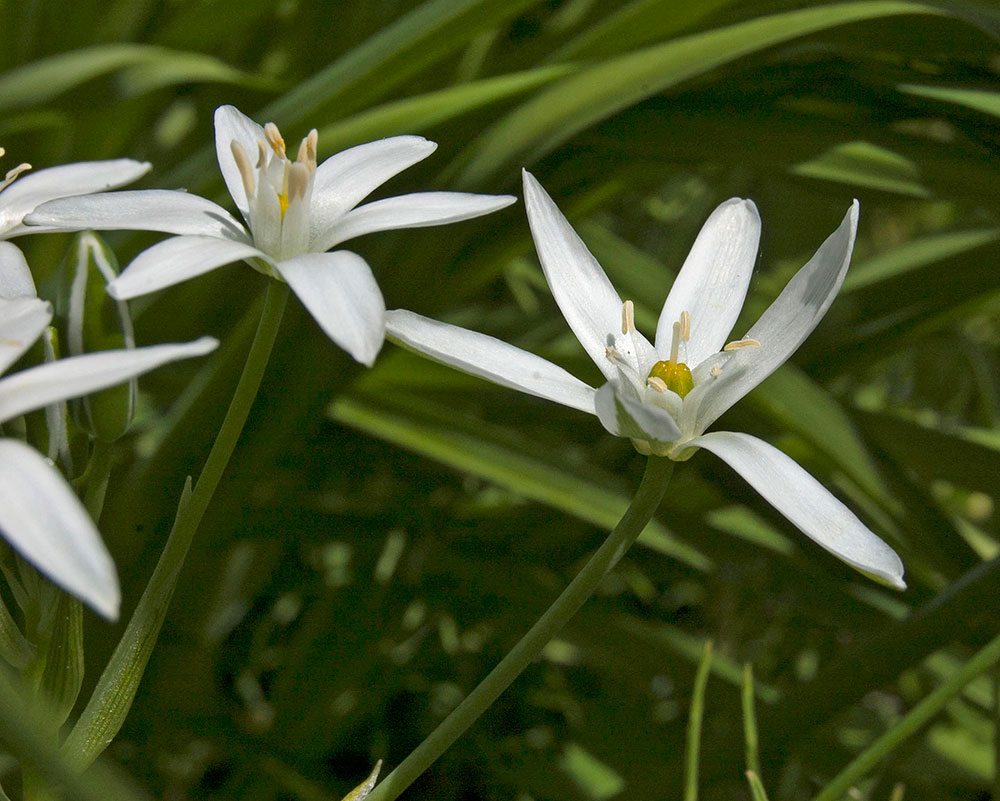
<point x="295" y="211"/>
<point x="40" y="516"/>
<point x="664" y="395"/>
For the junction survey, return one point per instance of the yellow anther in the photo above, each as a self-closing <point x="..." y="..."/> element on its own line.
<point x="656" y="383"/>
<point x="685" y="326"/>
<point x="273" y="137"/>
<point x="676" y="376"/>
<point x="243" y="164"/>
<point x="742" y="343"/>
<point x="628" y="317"/>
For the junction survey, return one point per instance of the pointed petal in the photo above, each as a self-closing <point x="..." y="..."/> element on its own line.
<point x="15" y="277"/>
<point x="806" y="503"/>
<point x="490" y="358"/>
<point x="45" y="522"/>
<point x="786" y="323"/>
<point x="175" y="260"/>
<point x="418" y="210"/>
<point x="231" y="125"/>
<point x="348" y="177"/>
<point x="34" y="188"/>
<point x="584" y="294"/>
<point x="342" y="295"/>
<point x="164" y="210"/>
<point x="22" y="320"/>
<point x="80" y="375"/>
<point x="624" y="415"/>
<point x="712" y="284"/>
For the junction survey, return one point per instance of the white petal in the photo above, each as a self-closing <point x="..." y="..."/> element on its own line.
<point x="80" y="375"/>
<point x="584" y="294"/>
<point x="164" y="210"/>
<point x="231" y="125"/>
<point x="175" y="260"/>
<point x="15" y="277"/>
<point x="348" y="177"/>
<point x="624" y="415"/>
<point x="786" y="323"/>
<point x="342" y="295"/>
<point x="45" y="522"/>
<point x="34" y="188"/>
<point x="409" y="211"/>
<point x="22" y="320"/>
<point x="490" y="358"/>
<point x="806" y="503"/>
<point x="712" y="284"/>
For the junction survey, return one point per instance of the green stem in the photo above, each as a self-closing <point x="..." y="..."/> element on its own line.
<point x="643" y="507"/>
<point x="98" y="473"/>
<point x="917" y="717"/>
<point x="110" y="702"/>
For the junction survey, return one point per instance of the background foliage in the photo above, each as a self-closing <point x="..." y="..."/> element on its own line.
<point x="384" y="536"/>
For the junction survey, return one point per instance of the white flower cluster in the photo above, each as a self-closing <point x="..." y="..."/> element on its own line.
<point x="662" y="395"/>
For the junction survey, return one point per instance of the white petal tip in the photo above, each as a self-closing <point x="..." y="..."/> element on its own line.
<point x="203" y="345"/>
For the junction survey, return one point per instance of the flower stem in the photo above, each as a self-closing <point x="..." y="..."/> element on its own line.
<point x="644" y="505"/>
<point x="106" y="710"/>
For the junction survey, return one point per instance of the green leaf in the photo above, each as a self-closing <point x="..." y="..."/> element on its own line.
<point x="913" y="255"/>
<point x="863" y="164"/>
<point x="480" y="451"/>
<point x="976" y="99"/>
<point x="554" y="115"/>
<point x="417" y="114"/>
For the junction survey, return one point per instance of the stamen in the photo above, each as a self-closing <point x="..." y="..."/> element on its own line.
<point x="716" y="371"/>
<point x="13" y="173"/>
<point x="273" y="136"/>
<point x="298" y="181"/>
<point x="686" y="326"/>
<point x="308" y="149"/>
<point x="675" y="342"/>
<point x="243" y="164"/>
<point x="656" y="383"/>
<point x="612" y="354"/>
<point x="742" y="343"/>
<point x="261" y="155"/>
<point x="628" y="317"/>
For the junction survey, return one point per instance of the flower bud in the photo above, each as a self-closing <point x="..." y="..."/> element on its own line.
<point x="96" y="322"/>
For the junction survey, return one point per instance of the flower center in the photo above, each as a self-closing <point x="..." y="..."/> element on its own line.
<point x="278" y="192"/>
<point x="672" y="373"/>
<point x="8" y="179"/>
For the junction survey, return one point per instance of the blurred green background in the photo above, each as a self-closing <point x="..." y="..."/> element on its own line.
<point x="383" y="537"/>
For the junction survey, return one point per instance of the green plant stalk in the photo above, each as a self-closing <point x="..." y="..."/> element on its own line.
<point x="106" y="710"/>
<point x="911" y="722"/>
<point x="641" y="510"/>
<point x="98" y="473"/>
<point x="750" y="722"/>
<point x="693" y="751"/>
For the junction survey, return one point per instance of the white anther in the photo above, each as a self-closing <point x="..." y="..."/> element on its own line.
<point x="298" y="181"/>
<point x="716" y="371"/>
<point x="656" y="383"/>
<point x="612" y="354"/>
<point x="628" y="317"/>
<point x="742" y="343"/>
<point x="243" y="165"/>
<point x="308" y="149"/>
<point x="685" y="326"/>
<point x="273" y="136"/>
<point x="13" y="173"/>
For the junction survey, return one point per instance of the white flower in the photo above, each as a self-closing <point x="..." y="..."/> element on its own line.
<point x="40" y="516"/>
<point x="295" y="211"/>
<point x="20" y="194"/>
<point x="665" y="395"/>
